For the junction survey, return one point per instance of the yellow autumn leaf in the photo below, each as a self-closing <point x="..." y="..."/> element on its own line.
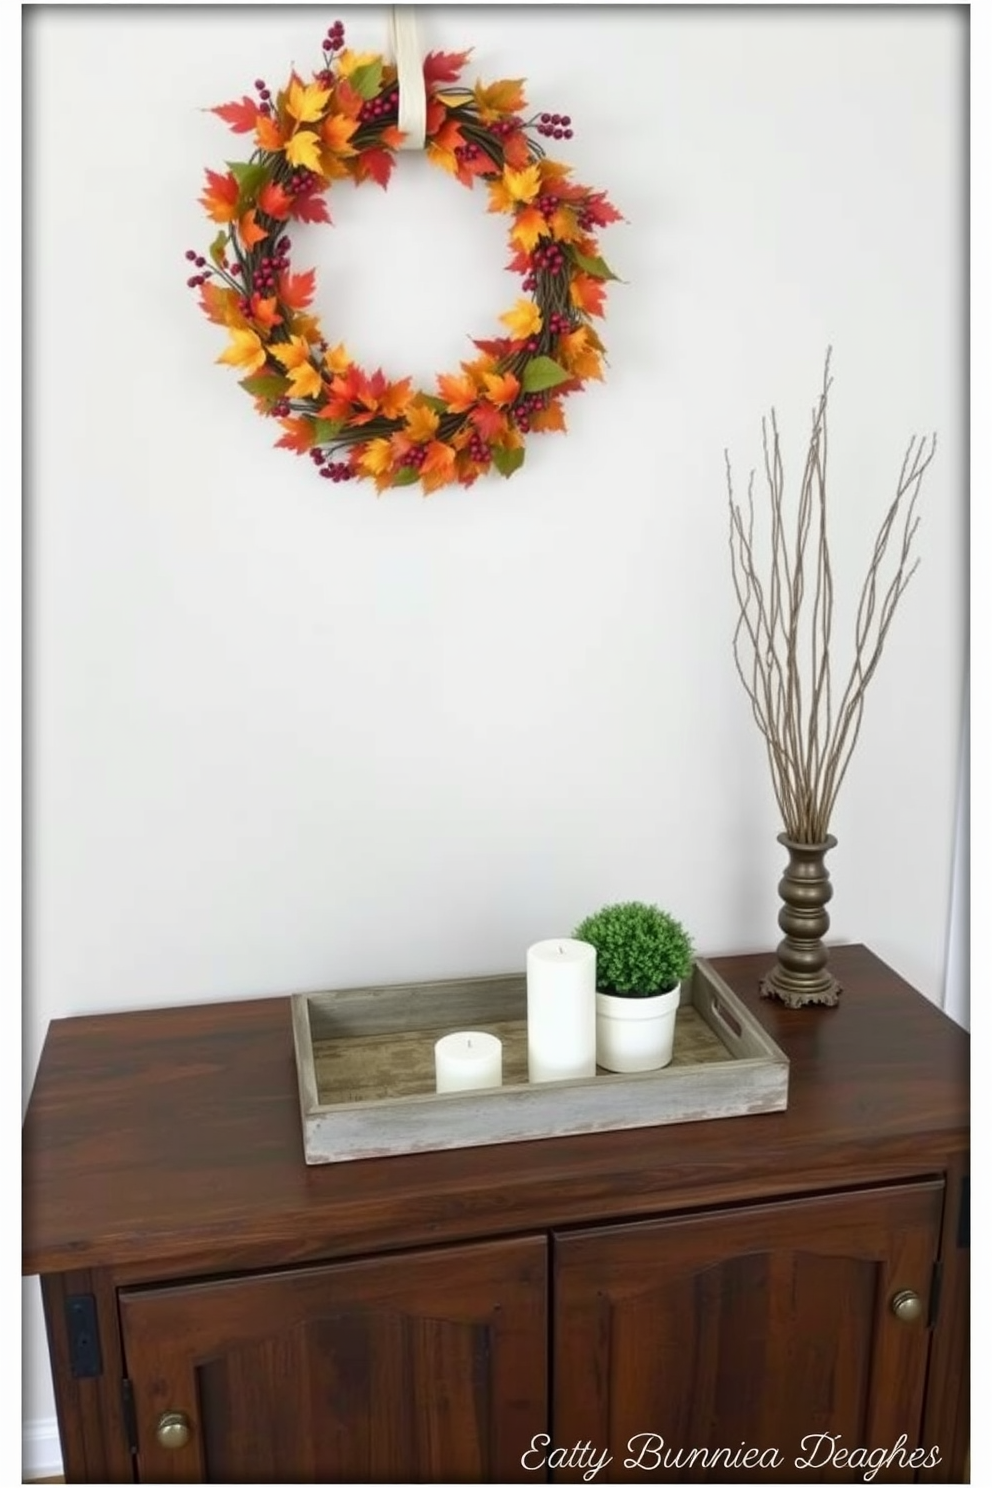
<point x="523" y="320"/>
<point x="514" y="186"/>
<point x="291" y="353"/>
<point x="421" y="423"/>
<point x="376" y="457"/>
<point x="306" y="102"/>
<point x="304" y="149"/>
<point x="578" y="355"/>
<point x="564" y="225"/>
<point x="337" y="359"/>
<point x="349" y="61"/>
<point x="496" y="99"/>
<point x="246" y="350"/>
<point x="305" y="381"/>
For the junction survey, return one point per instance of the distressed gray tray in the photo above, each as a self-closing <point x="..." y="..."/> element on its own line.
<point x="365" y="1067"/>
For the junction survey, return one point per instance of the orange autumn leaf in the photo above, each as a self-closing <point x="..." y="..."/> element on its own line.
<point x="578" y="353"/>
<point x="395" y="398"/>
<point x="220" y="199"/>
<point x="421" y="423"/>
<point x="549" y="420"/>
<point x="529" y="227"/>
<point x="336" y="132"/>
<point x="347" y="99"/>
<point x="296" y="291"/>
<point x="459" y="393"/>
<point x="564" y="225"/>
<point x="245" y="349"/>
<point x="268" y="134"/>
<point x="221" y="305"/>
<point x="249" y="231"/>
<point x="587" y="294"/>
<point x="502" y="388"/>
<point x="298" y="436"/>
<point x="438" y="466"/>
<point x="516" y="150"/>
<point x="265" y="312"/>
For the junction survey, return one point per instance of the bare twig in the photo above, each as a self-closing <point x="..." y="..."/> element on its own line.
<point x="784" y="633"/>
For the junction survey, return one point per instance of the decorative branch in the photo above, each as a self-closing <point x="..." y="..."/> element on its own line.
<point x="783" y="638"/>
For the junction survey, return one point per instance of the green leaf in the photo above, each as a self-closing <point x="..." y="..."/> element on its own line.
<point x="326" y="430"/>
<point x="508" y="460"/>
<point x="597" y="267"/>
<point x="438" y="404"/>
<point x="219" y="245"/>
<point x="250" y="179"/>
<point x="265" y="385"/>
<point x="543" y="372"/>
<point x="367" y="80"/>
<point x="407" y="476"/>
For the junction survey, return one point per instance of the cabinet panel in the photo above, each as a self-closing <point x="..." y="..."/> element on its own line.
<point x="752" y="1328"/>
<point x="424" y="1367"/>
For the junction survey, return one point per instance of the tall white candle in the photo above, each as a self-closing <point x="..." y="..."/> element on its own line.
<point x="468" y="1061"/>
<point x="561" y="1010"/>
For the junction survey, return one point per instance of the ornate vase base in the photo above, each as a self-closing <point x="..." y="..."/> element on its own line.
<point x="802" y="989"/>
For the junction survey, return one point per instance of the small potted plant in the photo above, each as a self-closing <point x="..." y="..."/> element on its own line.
<point x="643" y="955"/>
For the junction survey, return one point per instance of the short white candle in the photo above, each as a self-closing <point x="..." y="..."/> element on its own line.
<point x="468" y="1061"/>
<point x="561" y="1010"/>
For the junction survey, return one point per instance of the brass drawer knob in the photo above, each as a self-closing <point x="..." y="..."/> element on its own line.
<point x="172" y="1429"/>
<point x="907" y="1306"/>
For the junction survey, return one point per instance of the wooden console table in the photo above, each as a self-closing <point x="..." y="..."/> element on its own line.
<point x="791" y="1284"/>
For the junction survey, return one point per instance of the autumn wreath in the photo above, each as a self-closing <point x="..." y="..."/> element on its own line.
<point x="344" y="123"/>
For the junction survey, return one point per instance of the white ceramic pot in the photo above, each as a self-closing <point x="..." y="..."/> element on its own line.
<point x="635" y="1033"/>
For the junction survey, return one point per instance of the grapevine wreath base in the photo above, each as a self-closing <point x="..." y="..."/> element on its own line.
<point x="343" y="123"/>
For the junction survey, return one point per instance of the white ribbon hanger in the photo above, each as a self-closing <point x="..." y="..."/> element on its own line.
<point x="405" y="46"/>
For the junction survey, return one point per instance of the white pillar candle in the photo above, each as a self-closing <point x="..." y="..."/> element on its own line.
<point x="468" y="1061"/>
<point x="561" y="1010"/>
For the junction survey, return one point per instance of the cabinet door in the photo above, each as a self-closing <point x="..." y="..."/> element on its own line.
<point x="424" y="1367"/>
<point x="762" y="1327"/>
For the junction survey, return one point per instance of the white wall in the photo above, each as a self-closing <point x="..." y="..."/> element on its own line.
<point x="283" y="735"/>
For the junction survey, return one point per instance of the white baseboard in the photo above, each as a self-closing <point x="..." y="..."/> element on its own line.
<point x="41" y="1452"/>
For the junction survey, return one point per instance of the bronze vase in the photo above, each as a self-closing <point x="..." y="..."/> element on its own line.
<point x="800" y="975"/>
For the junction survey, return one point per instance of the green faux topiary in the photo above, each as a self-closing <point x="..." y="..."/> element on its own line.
<point x="640" y="949"/>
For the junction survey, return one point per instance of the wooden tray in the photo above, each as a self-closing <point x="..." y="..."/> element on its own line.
<point x="365" y="1067"/>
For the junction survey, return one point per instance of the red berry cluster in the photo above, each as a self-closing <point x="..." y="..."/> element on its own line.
<point x="334" y="470"/>
<point x="302" y="182"/>
<point x="555" y="126"/>
<point x="415" y="456"/>
<point x="384" y="106"/>
<point x="267" y="271"/>
<point x="264" y="97"/>
<point x="334" y="40"/>
<point x="559" y="324"/>
<point x="546" y="256"/>
<point x="478" y="449"/>
<point x="524" y="410"/>
<point x="201" y="263"/>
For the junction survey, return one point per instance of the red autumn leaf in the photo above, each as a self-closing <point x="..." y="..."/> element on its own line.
<point x="375" y="165"/>
<point x="296" y="291"/>
<point x="436" y="115"/>
<point x="241" y="116"/>
<point x="249" y="231"/>
<point x="516" y="150"/>
<point x="499" y="348"/>
<point x="488" y="420"/>
<point x="220" y="199"/>
<point x="309" y="207"/>
<point x="274" y="201"/>
<point x="597" y="209"/>
<point x="444" y="67"/>
<point x="587" y="294"/>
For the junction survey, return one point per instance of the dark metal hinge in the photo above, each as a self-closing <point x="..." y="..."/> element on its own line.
<point x="936" y="1283"/>
<point x="130" y="1420"/>
<point x="964" y="1214"/>
<point x="83" y="1334"/>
